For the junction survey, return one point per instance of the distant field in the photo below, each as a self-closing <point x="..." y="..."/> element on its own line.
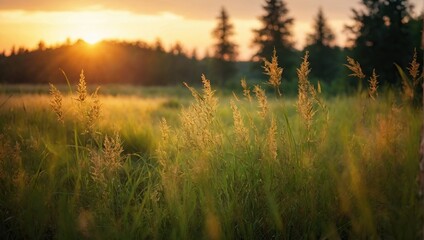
<point x="159" y="163"/>
<point x="111" y="89"/>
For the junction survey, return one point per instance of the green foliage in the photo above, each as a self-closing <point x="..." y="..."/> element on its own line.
<point x="323" y="53"/>
<point x="381" y="37"/>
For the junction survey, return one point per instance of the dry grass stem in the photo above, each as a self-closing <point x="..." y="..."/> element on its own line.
<point x="105" y="164"/>
<point x="241" y="132"/>
<point x="246" y="90"/>
<point x="94" y="112"/>
<point x="274" y="72"/>
<point x="164" y="130"/>
<point x="162" y="147"/>
<point x="263" y="103"/>
<point x="373" y="85"/>
<point x="272" y="140"/>
<point x="355" y="67"/>
<point x="56" y="102"/>
<point x="197" y="120"/>
<point x="408" y="90"/>
<point x="82" y="88"/>
<point x="414" y="69"/>
<point x="306" y="94"/>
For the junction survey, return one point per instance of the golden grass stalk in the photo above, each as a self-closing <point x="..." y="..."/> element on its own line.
<point x="93" y="114"/>
<point x="355" y="67"/>
<point x="408" y="89"/>
<point x="112" y="149"/>
<point x="82" y="88"/>
<point x="414" y="69"/>
<point x="305" y="89"/>
<point x="274" y="72"/>
<point x="272" y="140"/>
<point x="98" y="168"/>
<point x="164" y="130"/>
<point x="104" y="165"/>
<point x="246" y="90"/>
<point x="207" y="99"/>
<point x="161" y="150"/>
<point x="373" y="85"/>
<point x="263" y="103"/>
<point x="197" y="119"/>
<point x="241" y="132"/>
<point x="208" y="93"/>
<point x="56" y="102"/>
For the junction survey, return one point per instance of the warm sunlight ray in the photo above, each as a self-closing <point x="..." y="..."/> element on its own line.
<point x="92" y="38"/>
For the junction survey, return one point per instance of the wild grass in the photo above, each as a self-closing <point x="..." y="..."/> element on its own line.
<point x="84" y="165"/>
<point x="274" y="72"/>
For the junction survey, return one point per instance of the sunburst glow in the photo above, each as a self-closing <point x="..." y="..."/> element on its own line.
<point x="92" y="38"/>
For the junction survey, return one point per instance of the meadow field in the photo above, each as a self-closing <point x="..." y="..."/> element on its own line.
<point x="78" y="162"/>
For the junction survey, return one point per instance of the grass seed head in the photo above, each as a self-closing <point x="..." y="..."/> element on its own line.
<point x="246" y="90"/>
<point x="274" y="72"/>
<point x="93" y="115"/>
<point x="263" y="103"/>
<point x="355" y="67"/>
<point x="164" y="130"/>
<point x="306" y="94"/>
<point x="82" y="88"/>
<point x="105" y="164"/>
<point x="197" y="120"/>
<point x="241" y="132"/>
<point x="373" y="85"/>
<point x="414" y="69"/>
<point x="56" y="102"/>
<point x="162" y="146"/>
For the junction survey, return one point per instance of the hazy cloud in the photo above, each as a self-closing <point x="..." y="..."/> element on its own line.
<point x="195" y="9"/>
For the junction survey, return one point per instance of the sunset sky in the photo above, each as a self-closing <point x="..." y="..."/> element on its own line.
<point x="25" y="23"/>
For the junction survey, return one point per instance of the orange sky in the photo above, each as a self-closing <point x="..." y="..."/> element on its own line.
<point x="25" y="23"/>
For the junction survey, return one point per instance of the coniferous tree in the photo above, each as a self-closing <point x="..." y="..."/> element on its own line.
<point x="158" y="46"/>
<point x="177" y="49"/>
<point x="225" y="51"/>
<point x="13" y="51"/>
<point x="41" y="46"/>
<point x="381" y="37"/>
<point x="324" y="56"/>
<point x="323" y="35"/>
<point x="275" y="33"/>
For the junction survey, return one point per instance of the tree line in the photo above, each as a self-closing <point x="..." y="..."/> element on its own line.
<point x="106" y="62"/>
<point x="383" y="32"/>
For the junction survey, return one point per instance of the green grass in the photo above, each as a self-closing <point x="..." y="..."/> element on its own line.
<point x="356" y="179"/>
<point x="161" y="164"/>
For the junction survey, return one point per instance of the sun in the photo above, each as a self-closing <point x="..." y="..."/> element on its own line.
<point x="92" y="38"/>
